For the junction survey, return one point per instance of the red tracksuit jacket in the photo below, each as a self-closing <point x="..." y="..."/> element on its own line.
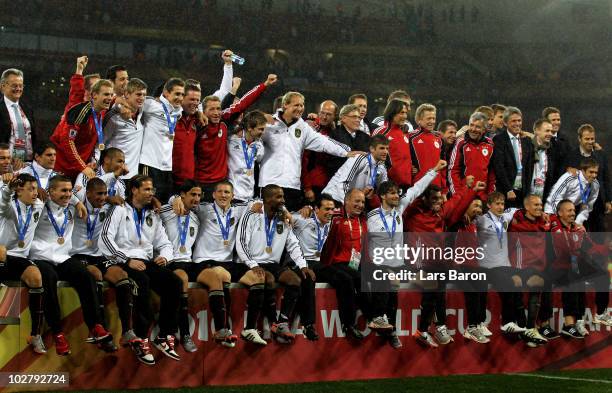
<point x="426" y="151"/>
<point x="532" y="237"/>
<point x="341" y="240"/>
<point x="472" y="158"/>
<point x="569" y="241"/>
<point x="75" y="138"/>
<point x="183" y="149"/>
<point x="399" y="154"/>
<point x="211" y="143"/>
<point x="467" y="236"/>
<point x="314" y="173"/>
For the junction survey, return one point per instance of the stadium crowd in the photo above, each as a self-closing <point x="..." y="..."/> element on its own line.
<point x="150" y="189"/>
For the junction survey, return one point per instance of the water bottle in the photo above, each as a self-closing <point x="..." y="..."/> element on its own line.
<point x="237" y="59"/>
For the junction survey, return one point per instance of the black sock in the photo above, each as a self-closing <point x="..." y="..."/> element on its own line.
<point x="36" y="309"/>
<point x="183" y="315"/>
<point x="427" y="310"/>
<point x="534" y="308"/>
<point x="269" y="306"/>
<point x="217" y="308"/>
<point x="125" y="303"/>
<point x="228" y="303"/>
<point x="100" y="295"/>
<point x="254" y="304"/>
<point x="290" y="298"/>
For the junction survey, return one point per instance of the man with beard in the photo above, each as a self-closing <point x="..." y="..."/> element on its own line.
<point x="126" y="132"/>
<point x="80" y="131"/>
<point x="448" y="132"/>
<point x="361" y="172"/>
<point x="261" y="240"/>
<point x="472" y="157"/>
<point x="544" y="164"/>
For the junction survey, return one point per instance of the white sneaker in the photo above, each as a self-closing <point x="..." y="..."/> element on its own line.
<point x="533" y="338"/>
<point x="474" y="333"/>
<point x="380" y="324"/>
<point x="580" y="326"/>
<point x="442" y="335"/>
<point x="38" y="344"/>
<point x="252" y="335"/>
<point x="603" y="319"/>
<point x="485" y="330"/>
<point x="511" y="328"/>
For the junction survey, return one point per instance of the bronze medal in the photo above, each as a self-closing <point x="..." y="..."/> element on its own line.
<point x="226" y="243"/>
<point x="318" y="254"/>
<point x="60" y="240"/>
<point x="183" y="249"/>
<point x="101" y="146"/>
<point x="171" y="137"/>
<point x="21" y="244"/>
<point x="89" y="242"/>
<point x="269" y="249"/>
<point x="249" y="172"/>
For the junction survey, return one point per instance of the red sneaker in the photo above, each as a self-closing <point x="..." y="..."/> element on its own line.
<point x="62" y="347"/>
<point x="98" y="335"/>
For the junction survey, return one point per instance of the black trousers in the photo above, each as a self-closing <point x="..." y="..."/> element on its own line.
<point x="347" y="282"/>
<point x="307" y="303"/>
<point x="572" y="295"/>
<point x="76" y="273"/>
<point x="475" y="296"/>
<point x="510" y="296"/>
<point x="168" y="286"/>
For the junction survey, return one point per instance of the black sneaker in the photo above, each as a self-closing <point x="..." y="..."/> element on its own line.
<point x="548" y="332"/>
<point x="166" y="346"/>
<point x="310" y="332"/>
<point x="142" y="350"/>
<point x="353" y="332"/>
<point x="571" y="332"/>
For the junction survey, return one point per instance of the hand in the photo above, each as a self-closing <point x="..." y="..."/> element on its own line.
<point x="81" y="63"/>
<point x="597" y="146"/>
<point x="414" y="170"/>
<point x="469" y="181"/>
<point x="115" y="200"/>
<point x="440" y="165"/>
<point x="369" y="192"/>
<point x="572" y="171"/>
<point x="2" y="254"/>
<point x="527" y="134"/>
<point x="81" y="210"/>
<point x="89" y="172"/>
<point x="160" y="261"/>
<point x="226" y="56"/>
<point x="236" y="81"/>
<point x="309" y="195"/>
<point x="289" y="218"/>
<point x="306" y="211"/>
<point x="272" y="79"/>
<point x="480" y="186"/>
<point x="8" y="178"/>
<point x="201" y="119"/>
<point x="17" y="164"/>
<point x="511" y="196"/>
<point x="258" y="270"/>
<point x="125" y="112"/>
<point x="178" y="207"/>
<point x="156" y="204"/>
<point x="42" y="194"/>
<point x="546" y="218"/>
<point x="137" y="264"/>
<point x="257" y="207"/>
<point x="312" y="116"/>
<point x="355" y="153"/>
<point x="306" y="272"/>
<point x="608" y="207"/>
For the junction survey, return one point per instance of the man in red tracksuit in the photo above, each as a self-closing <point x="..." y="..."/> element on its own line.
<point x="314" y="172"/>
<point x="472" y="157"/>
<point x="430" y="215"/>
<point x="211" y="145"/>
<point x="185" y="133"/>
<point x="394" y="128"/>
<point x="341" y="257"/>
<point x="426" y="147"/>
<point x="77" y="134"/>
<point x="527" y="249"/>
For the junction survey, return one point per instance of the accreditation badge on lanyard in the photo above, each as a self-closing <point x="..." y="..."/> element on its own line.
<point x="355" y="255"/>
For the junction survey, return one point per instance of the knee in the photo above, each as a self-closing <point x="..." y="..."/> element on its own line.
<point x="180" y="273"/>
<point x="270" y="280"/>
<point x="535" y="282"/>
<point x="95" y="272"/>
<point x="516" y="281"/>
<point x="32" y="277"/>
<point x="115" y="274"/>
<point x="223" y="274"/>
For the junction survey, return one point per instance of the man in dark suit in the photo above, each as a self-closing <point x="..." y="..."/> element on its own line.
<point x="513" y="159"/>
<point x="16" y="120"/>
<point x="349" y="134"/>
<point x="559" y="144"/>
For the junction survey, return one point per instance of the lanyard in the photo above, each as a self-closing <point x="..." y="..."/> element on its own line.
<point x="36" y="175"/>
<point x="225" y="230"/>
<point x="98" y="123"/>
<point x="584" y="194"/>
<point x="248" y="159"/>
<point x="320" y="239"/>
<point x="183" y="229"/>
<point x="59" y="231"/>
<point x="270" y="229"/>
<point x="351" y="227"/>
<point x="498" y="230"/>
<point x="384" y="220"/>
<point x="91" y="226"/>
<point x="171" y="124"/>
<point x="22" y="227"/>
<point x="138" y="222"/>
<point x="373" y="172"/>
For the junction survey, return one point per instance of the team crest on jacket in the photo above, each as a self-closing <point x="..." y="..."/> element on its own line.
<point x="102" y="216"/>
<point x="506" y="225"/>
<point x="485" y="152"/>
<point x="149" y="221"/>
<point x="36" y="216"/>
<point x="70" y="215"/>
<point x="232" y="221"/>
<point x="191" y="231"/>
<point x="72" y="133"/>
<point x="193" y="126"/>
<point x="220" y="133"/>
<point x="397" y="218"/>
<point x="437" y="144"/>
<point x="298" y="133"/>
